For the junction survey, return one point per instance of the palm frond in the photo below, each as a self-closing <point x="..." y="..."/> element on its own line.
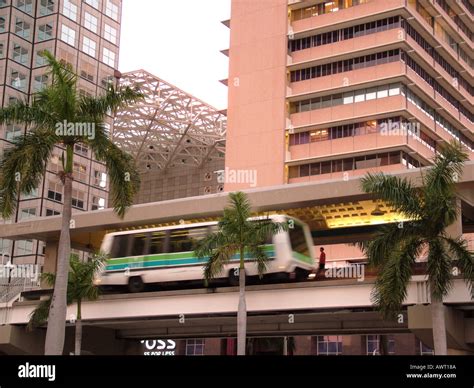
<point x="398" y="192"/>
<point x="113" y="99"/>
<point x="23" y="166"/>
<point x="260" y="257"/>
<point x="387" y="238"/>
<point x="123" y="173"/>
<point x="447" y="168"/>
<point x="439" y="269"/>
<point x="21" y="112"/>
<point x="261" y="230"/>
<point x="390" y="288"/>
<point x="39" y="316"/>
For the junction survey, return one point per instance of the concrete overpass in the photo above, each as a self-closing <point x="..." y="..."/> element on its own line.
<point x="322" y="307"/>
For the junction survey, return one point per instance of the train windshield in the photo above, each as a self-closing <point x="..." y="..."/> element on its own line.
<point x="298" y="240"/>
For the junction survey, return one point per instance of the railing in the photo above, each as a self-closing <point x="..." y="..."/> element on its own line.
<point x="11" y="290"/>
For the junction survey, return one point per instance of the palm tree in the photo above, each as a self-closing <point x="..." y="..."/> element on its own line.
<point x="56" y="117"/>
<point x="80" y="287"/>
<point x="395" y="247"/>
<point x="235" y="236"/>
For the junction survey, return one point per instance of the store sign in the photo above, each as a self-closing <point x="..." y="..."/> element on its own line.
<point x="159" y="347"/>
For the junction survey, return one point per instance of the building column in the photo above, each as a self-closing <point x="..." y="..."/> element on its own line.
<point x="50" y="258"/>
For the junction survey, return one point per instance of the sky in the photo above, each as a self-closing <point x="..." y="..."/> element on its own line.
<point x="179" y="42"/>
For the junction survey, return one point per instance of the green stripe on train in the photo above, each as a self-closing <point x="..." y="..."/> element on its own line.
<point x="181" y="258"/>
<point x="168" y="259"/>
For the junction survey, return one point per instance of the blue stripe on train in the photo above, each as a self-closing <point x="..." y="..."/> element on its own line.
<point x="166" y="263"/>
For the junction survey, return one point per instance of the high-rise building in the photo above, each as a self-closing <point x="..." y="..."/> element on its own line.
<point x="333" y="89"/>
<point x="85" y="34"/>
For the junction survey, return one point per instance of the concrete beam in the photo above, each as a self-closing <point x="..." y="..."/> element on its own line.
<point x="91" y="226"/>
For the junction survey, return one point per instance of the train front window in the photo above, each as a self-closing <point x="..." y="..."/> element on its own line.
<point x="298" y="239"/>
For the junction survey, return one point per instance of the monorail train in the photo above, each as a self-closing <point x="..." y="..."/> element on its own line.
<point x="166" y="254"/>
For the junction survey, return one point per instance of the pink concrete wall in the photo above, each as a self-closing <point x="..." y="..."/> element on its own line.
<point x="257" y="90"/>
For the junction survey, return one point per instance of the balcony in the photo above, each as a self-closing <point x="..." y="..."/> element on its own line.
<point x="349" y="14"/>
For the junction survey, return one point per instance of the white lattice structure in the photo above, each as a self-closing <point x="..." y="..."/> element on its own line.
<point x="169" y="128"/>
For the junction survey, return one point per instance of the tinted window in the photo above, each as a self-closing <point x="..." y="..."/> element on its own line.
<point x="298" y="240"/>
<point x="119" y="246"/>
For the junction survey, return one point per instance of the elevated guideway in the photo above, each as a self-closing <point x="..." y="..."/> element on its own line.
<point x="336" y="306"/>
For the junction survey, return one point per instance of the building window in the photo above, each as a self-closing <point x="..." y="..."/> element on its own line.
<point x="107" y="81"/>
<point x="70" y="10"/>
<point x="373" y="345"/>
<point x="45" y="32"/>
<point x="2" y="24"/>
<point x="24" y="247"/>
<point x="425" y="350"/>
<point x="78" y="199"/>
<point x="79" y="172"/>
<point x="195" y="347"/>
<point x="88" y="46"/>
<point x="51" y="212"/>
<point x="41" y="81"/>
<point x="46" y="7"/>
<point x="5" y="246"/>
<point x="32" y="194"/>
<point x="111" y="10"/>
<point x="81" y="149"/>
<point x="100" y="179"/>
<point x="329" y="345"/>
<point x="25" y="5"/>
<point x="90" y="22"/>
<point x="108" y="57"/>
<point x="40" y="59"/>
<point x="22" y="28"/>
<point x="93" y="3"/>
<point x="98" y="203"/>
<point x="110" y="34"/>
<point x="20" y="54"/>
<point x="12" y="132"/>
<point x="55" y="192"/>
<point x="27" y="213"/>
<point x="18" y="80"/>
<point x="68" y="35"/>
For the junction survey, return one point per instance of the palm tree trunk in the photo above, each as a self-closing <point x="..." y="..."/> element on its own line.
<point x="383" y="345"/>
<point x="439" y="327"/>
<point x="242" y="310"/>
<point x="78" y="336"/>
<point x="57" y="313"/>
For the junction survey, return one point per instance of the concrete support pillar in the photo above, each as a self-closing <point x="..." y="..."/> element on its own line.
<point x="50" y="260"/>
<point x="51" y="257"/>
<point x="420" y="324"/>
